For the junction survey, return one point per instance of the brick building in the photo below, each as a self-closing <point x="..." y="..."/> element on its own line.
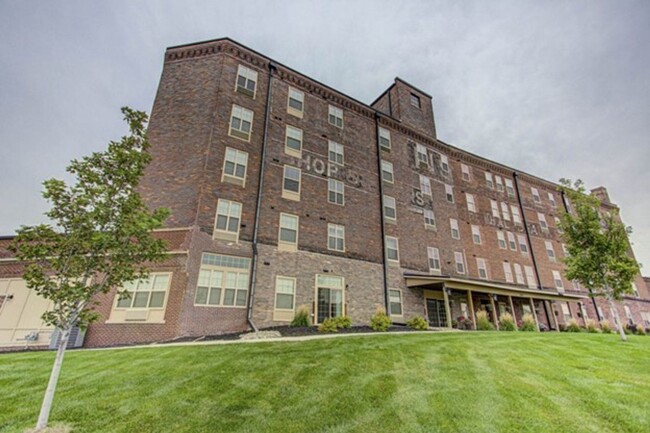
<point x="285" y="192"/>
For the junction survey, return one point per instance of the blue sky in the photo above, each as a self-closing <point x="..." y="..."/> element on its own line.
<point x="553" y="88"/>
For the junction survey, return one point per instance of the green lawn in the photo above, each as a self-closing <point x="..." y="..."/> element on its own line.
<point x="455" y="382"/>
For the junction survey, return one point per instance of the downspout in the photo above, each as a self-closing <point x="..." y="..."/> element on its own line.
<point x="258" y="205"/>
<point x="530" y="244"/>
<point x="381" y="213"/>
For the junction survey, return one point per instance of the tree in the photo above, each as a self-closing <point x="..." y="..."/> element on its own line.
<point x="597" y="244"/>
<point x="100" y="238"/>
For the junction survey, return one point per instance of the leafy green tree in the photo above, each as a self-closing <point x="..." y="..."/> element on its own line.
<point x="598" y="247"/>
<point x="100" y="237"/>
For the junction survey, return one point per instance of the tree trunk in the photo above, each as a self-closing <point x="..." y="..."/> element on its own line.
<point x="612" y="307"/>
<point x="54" y="378"/>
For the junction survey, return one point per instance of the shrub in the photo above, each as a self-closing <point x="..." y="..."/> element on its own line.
<point x="606" y="327"/>
<point x="465" y="323"/>
<point x="343" y="322"/>
<point x="640" y="330"/>
<point x="591" y="326"/>
<point x="380" y="321"/>
<point x="528" y="323"/>
<point x="507" y="322"/>
<point x="572" y="326"/>
<point x="302" y="318"/>
<point x="482" y="321"/>
<point x="418" y="323"/>
<point x="328" y="325"/>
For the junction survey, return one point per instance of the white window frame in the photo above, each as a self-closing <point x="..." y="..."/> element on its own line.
<point x="481" y="265"/>
<point x="421" y="155"/>
<point x="505" y="210"/>
<point x="390" y="203"/>
<point x="488" y="180"/>
<point x="229" y="215"/>
<point x="336" y="191"/>
<point x="244" y="117"/>
<point x="236" y="158"/>
<point x="512" y="242"/>
<point x="551" y="199"/>
<point x="454" y="229"/>
<point x="523" y="245"/>
<point x="138" y="287"/>
<point x="516" y="216"/>
<point x="471" y="204"/>
<point x="335" y="152"/>
<point x="510" y="188"/>
<point x="284" y="314"/>
<point x="248" y="75"/>
<point x="395" y="298"/>
<point x="433" y="258"/>
<point x="387" y="169"/>
<point x="290" y="194"/>
<point x="225" y="268"/>
<point x="444" y="164"/>
<point x="295" y="134"/>
<point x="336" y="233"/>
<point x="335" y="116"/>
<point x="542" y="221"/>
<point x="392" y="244"/>
<point x="519" y="274"/>
<point x="459" y="258"/>
<point x="286" y="245"/>
<point x="557" y="279"/>
<point x="429" y="219"/>
<point x="449" y="193"/>
<point x="298" y="96"/>
<point x="384" y="138"/>
<point x="466" y="173"/>
<point x="536" y="197"/>
<point x="530" y="277"/>
<point x="476" y="235"/>
<point x="425" y="185"/>
<point x="550" y="251"/>
<point x="499" y="183"/>
<point x="507" y="272"/>
<point x="495" y="209"/>
<point x="501" y="240"/>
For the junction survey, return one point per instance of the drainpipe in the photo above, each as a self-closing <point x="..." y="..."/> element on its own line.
<point x="530" y="244"/>
<point x="258" y="205"/>
<point x="381" y="213"/>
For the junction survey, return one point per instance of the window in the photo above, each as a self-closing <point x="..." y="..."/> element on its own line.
<point x="434" y="260"/>
<point x="488" y="180"/>
<point x="395" y="297"/>
<point x="507" y="272"/>
<point x="501" y="237"/>
<point x="429" y="219"/>
<point x="558" y="281"/>
<point x="482" y="269"/>
<point x="523" y="246"/>
<point x="455" y="232"/>
<point x="565" y="250"/>
<point x="387" y="172"/>
<point x="576" y="285"/>
<point x="336" y="191"/>
<point x="504" y="210"/>
<point x="335" y="153"/>
<point x="422" y="157"/>
<point x="628" y="314"/>
<point x="635" y="290"/>
<point x="288" y="236"/>
<point x="495" y="209"/>
<point x="449" y="192"/>
<point x="476" y="235"/>
<point x="223" y="281"/>
<point x="465" y="172"/>
<point x="291" y="183"/>
<point x="295" y="102"/>
<point x="536" y="197"/>
<point x="542" y="222"/>
<point x="147" y="293"/>
<point x="460" y="262"/>
<point x="415" y="100"/>
<point x="551" y="199"/>
<point x="335" y="116"/>
<point x="645" y="316"/>
<point x="425" y="185"/>
<point x="444" y="163"/>
<point x="530" y="277"/>
<point x="511" y="241"/>
<point x="330" y="297"/>
<point x="293" y="142"/>
<point x="549" y="250"/>
<point x="519" y="275"/>
<point x="335" y="237"/>
<point x="390" y="209"/>
<point x="246" y="80"/>
<point x="384" y="138"/>
<point x="566" y="313"/>
<point x="392" y="249"/>
<point x="285" y="291"/>
<point x="557" y="225"/>
<point x="499" y="183"/>
<point x="516" y="217"/>
<point x="510" y="189"/>
<point x="226" y="224"/>
<point x="471" y="205"/>
<point x="241" y="121"/>
<point x="234" y="167"/>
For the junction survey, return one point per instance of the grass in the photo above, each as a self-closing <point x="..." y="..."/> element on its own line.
<point x="457" y="382"/>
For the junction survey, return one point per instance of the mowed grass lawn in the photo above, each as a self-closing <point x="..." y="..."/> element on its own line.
<point x="455" y="382"/>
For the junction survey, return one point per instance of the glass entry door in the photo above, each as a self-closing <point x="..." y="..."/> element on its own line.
<point x="330" y="303"/>
<point x="436" y="313"/>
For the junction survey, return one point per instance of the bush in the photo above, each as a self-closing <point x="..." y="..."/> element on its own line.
<point x="591" y="326"/>
<point x="482" y="321"/>
<point x="302" y="318"/>
<point x="507" y="322"/>
<point x="343" y="322"/>
<point x="418" y="323"/>
<point x="640" y="330"/>
<point x="572" y="326"/>
<point x="380" y="321"/>
<point x="606" y="327"/>
<point x="328" y="325"/>
<point x="528" y="323"/>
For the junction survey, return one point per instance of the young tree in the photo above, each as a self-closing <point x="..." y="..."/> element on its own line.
<point x="597" y="245"/>
<point x="100" y="237"/>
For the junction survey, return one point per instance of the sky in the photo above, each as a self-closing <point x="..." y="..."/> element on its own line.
<point x="553" y="88"/>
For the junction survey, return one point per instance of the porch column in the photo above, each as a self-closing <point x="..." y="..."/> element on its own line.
<point x="512" y="308"/>
<point x="532" y="307"/>
<point x="470" y="303"/>
<point x="447" y="308"/>
<point x="557" y="326"/>
<point x="494" y="311"/>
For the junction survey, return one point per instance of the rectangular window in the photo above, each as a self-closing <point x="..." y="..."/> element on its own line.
<point x="460" y="262"/>
<point x="510" y="189"/>
<point x="488" y="180"/>
<point x="234" y="167"/>
<point x="523" y="246"/>
<point x="291" y="183"/>
<point x="471" y="205"/>
<point x="336" y="192"/>
<point x="415" y="100"/>
<point x="542" y="222"/>
<point x="384" y="138"/>
<point x="499" y="183"/>
<point x="285" y="293"/>
<point x="429" y="219"/>
<point x="507" y="272"/>
<point x="449" y="192"/>
<point x="550" y="251"/>
<point x="511" y="241"/>
<point x="295" y="102"/>
<point x="147" y="293"/>
<point x="476" y="235"/>
<point x="241" y="122"/>
<point x="536" y="197"/>
<point x="444" y="164"/>
<point x="422" y="157"/>
<point x="395" y="297"/>
<point x="288" y="236"/>
<point x="387" y="172"/>
<point x="390" y="208"/>
<point x="558" y="281"/>
<point x="246" y="81"/>
<point x="392" y="249"/>
<point x="495" y="209"/>
<point x="501" y="237"/>
<point x="455" y="232"/>
<point x="335" y="116"/>
<point x="330" y="297"/>
<point x="434" y="260"/>
<point x="551" y="199"/>
<point x="227" y="221"/>
<point x="335" y="237"/>
<point x="516" y="217"/>
<point x="466" y="173"/>
<point x="519" y="275"/>
<point x="293" y="142"/>
<point x="425" y="185"/>
<point x="335" y="152"/>
<point x="223" y="281"/>
<point x="504" y="210"/>
<point x="530" y="277"/>
<point x="557" y="225"/>
<point x="635" y="291"/>
<point x="482" y="269"/>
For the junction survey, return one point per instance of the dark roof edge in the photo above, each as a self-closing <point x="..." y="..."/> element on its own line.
<point x="382" y="95"/>
<point x="7" y="237"/>
<point x="413" y="87"/>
